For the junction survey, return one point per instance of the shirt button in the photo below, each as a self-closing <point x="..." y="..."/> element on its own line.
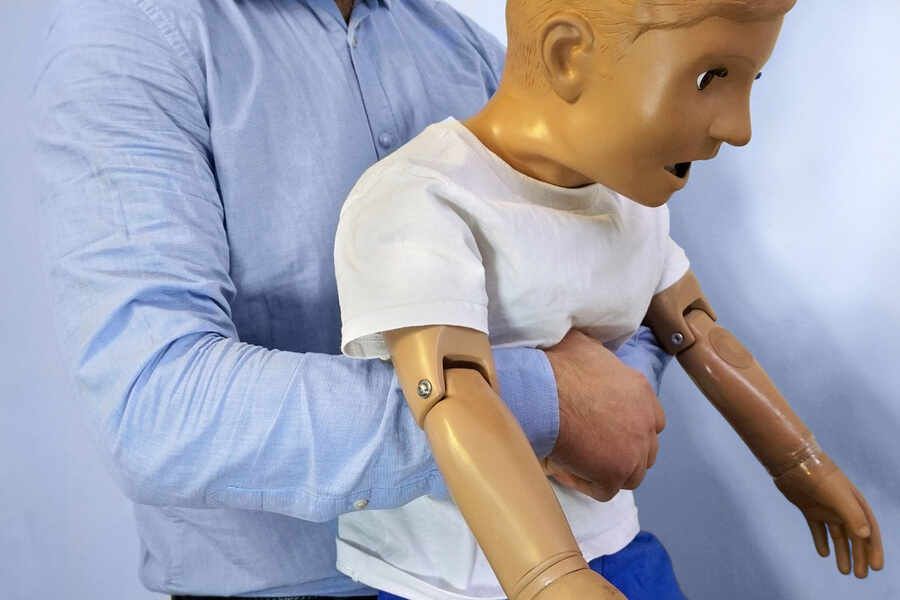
<point x="360" y="504"/>
<point x="384" y="140"/>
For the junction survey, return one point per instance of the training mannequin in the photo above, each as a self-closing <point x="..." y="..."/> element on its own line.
<point x="602" y="107"/>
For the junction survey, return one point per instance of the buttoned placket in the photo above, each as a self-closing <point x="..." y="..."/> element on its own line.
<point x="382" y="124"/>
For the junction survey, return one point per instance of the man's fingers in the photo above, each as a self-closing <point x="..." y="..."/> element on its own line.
<point x="654" y="450"/>
<point x="609" y="417"/>
<point x="635" y="479"/>
<point x="659" y="414"/>
<point x="584" y="486"/>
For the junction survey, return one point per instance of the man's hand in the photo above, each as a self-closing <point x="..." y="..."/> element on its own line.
<point x="609" y="419"/>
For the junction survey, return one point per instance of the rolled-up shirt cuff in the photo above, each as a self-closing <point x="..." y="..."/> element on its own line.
<point x="528" y="388"/>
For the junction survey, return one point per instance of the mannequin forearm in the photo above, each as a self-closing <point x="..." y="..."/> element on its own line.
<point x="506" y="500"/>
<point x="739" y="388"/>
<point x="489" y="466"/>
<point x="683" y="321"/>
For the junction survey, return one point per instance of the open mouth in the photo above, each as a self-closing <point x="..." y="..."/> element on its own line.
<point x="679" y="170"/>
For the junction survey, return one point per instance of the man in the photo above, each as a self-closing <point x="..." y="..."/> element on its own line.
<point x="192" y="157"/>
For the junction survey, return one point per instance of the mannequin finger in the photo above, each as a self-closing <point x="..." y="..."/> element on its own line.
<point x="820" y="537"/>
<point x="874" y="549"/>
<point x="850" y="507"/>
<point x="841" y="548"/>
<point x="875" y="553"/>
<point x="859" y="548"/>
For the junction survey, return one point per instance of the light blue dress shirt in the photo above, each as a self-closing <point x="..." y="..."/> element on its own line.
<point x="191" y="159"/>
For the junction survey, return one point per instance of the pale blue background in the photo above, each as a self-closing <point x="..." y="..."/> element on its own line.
<point x="794" y="238"/>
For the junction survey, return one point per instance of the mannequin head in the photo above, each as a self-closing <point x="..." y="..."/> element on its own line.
<point x="617" y="24"/>
<point x="627" y="93"/>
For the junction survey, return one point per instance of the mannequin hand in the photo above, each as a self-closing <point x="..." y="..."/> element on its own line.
<point x="831" y="503"/>
<point x="609" y="419"/>
<point x="584" y="584"/>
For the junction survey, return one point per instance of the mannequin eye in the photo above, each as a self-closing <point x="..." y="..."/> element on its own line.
<point x="706" y="77"/>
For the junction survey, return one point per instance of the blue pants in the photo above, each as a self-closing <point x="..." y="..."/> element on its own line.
<point x="642" y="570"/>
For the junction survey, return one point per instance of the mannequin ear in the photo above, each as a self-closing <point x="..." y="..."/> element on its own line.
<point x="567" y="43"/>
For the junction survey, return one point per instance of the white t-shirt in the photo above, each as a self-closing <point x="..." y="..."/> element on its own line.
<point x="444" y="232"/>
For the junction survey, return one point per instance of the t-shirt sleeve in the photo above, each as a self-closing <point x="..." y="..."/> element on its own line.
<point x="405" y="257"/>
<point x="675" y="261"/>
<point x="675" y="266"/>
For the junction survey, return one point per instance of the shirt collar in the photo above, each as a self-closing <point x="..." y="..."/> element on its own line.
<point x="329" y="7"/>
<point x="373" y="4"/>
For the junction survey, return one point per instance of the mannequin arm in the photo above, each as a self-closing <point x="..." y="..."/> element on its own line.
<point x="739" y="388"/>
<point x="448" y="378"/>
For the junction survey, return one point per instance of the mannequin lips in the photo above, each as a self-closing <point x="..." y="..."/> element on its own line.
<point x="679" y="170"/>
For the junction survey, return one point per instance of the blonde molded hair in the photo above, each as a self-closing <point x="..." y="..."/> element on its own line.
<point x="617" y="24"/>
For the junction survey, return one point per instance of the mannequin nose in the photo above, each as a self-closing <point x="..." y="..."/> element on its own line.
<point x="732" y="125"/>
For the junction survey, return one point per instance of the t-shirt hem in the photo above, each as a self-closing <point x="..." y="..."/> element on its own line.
<point x="380" y="575"/>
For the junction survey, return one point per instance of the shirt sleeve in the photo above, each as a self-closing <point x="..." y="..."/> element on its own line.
<point x="135" y="237"/>
<point x="405" y="257"/>
<point x="675" y="261"/>
<point x="643" y="353"/>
